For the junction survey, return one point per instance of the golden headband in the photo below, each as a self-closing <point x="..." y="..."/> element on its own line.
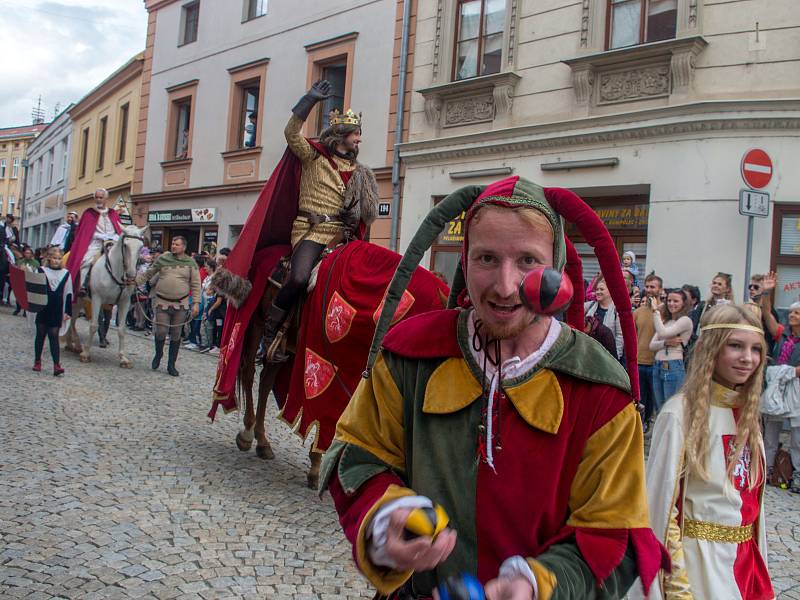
<point x="743" y="326"/>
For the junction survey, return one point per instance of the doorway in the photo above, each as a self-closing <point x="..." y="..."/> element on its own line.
<point x="192" y="238"/>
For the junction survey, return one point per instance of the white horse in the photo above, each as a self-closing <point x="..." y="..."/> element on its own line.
<point x="111" y="283"/>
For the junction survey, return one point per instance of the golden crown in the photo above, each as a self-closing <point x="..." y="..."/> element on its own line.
<point x="348" y="118"/>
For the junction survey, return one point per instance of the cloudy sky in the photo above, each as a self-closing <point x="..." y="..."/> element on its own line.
<point x="61" y="49"/>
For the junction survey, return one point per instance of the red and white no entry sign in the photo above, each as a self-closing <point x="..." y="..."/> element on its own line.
<point x="756" y="168"/>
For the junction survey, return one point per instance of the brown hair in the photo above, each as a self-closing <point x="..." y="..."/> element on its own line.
<point x="664" y="310"/>
<point x="336" y="135"/>
<point x="697" y="396"/>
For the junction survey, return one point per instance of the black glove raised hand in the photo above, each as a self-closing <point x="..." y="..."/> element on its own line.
<point x="320" y="90"/>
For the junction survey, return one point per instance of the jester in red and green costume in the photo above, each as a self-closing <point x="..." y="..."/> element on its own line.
<point x="521" y="427"/>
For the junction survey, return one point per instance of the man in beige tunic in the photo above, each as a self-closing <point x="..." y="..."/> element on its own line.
<point x="337" y="193"/>
<point x="178" y="279"/>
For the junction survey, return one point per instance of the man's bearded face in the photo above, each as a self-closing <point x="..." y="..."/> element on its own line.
<point x="503" y="248"/>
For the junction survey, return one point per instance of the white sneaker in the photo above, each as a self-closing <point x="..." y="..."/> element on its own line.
<point x="191" y="346"/>
<point x="214" y="351"/>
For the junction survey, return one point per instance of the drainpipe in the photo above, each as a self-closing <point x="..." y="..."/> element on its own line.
<point x="398" y="128"/>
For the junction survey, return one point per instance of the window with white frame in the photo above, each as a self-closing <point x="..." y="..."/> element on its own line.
<point x="633" y="22"/>
<point x="190" y="20"/>
<point x="64" y="158"/>
<point x="479" y="38"/>
<point x="3" y="167"/>
<point x="12" y="202"/>
<point x="39" y="169"/>
<point x="254" y="9"/>
<point x="15" y="169"/>
<point x="51" y="159"/>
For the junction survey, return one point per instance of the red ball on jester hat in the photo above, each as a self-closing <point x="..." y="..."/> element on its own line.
<point x="546" y="291"/>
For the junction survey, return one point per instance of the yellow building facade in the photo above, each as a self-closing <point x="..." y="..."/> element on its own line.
<point x="105" y="126"/>
<point x="14" y="142"/>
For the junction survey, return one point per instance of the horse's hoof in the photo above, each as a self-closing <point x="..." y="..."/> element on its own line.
<point x="242" y="444"/>
<point x="265" y="452"/>
<point x="313" y="481"/>
<point x="85" y="359"/>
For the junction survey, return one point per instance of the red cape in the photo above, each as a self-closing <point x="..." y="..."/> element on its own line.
<point x="83" y="237"/>
<point x="265" y="238"/>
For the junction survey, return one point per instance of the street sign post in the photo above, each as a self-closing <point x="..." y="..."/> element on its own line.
<point x="753" y="204"/>
<point x="756" y="171"/>
<point x="756" y="168"/>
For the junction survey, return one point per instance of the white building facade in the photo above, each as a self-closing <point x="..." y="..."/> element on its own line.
<point x="644" y="107"/>
<point x="219" y="86"/>
<point x="48" y="181"/>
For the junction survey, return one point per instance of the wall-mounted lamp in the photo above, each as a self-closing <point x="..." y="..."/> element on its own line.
<point x="481" y="173"/>
<point x="580" y="164"/>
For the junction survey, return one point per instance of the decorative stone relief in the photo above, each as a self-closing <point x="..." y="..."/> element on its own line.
<point x="465" y="111"/>
<point x="512" y="32"/>
<point x="475" y="100"/>
<point x="583" y="82"/>
<point x="433" y="109"/>
<point x="692" y="13"/>
<point x="585" y="24"/>
<point x="682" y="66"/>
<point x="437" y="40"/>
<point x="655" y="70"/>
<point x="503" y="96"/>
<point x="634" y="84"/>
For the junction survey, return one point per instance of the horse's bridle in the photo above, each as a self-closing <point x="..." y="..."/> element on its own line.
<point x="121" y="240"/>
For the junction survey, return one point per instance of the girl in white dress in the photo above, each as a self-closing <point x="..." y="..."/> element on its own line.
<point x="705" y="472"/>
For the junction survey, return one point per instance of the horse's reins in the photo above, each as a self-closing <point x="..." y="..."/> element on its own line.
<point x="121" y="284"/>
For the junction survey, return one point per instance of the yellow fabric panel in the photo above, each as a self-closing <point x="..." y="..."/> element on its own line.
<point x="373" y="419"/>
<point x="545" y="579"/>
<point x="676" y="583"/>
<point x="608" y="490"/>
<point x="384" y="580"/>
<point x="296" y="142"/>
<point x="321" y="186"/>
<point x="451" y="387"/>
<point x="539" y="401"/>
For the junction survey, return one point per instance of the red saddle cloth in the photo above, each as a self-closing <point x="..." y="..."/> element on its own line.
<point x="336" y="329"/>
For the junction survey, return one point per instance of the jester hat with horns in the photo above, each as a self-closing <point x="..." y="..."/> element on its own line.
<point x="557" y="205"/>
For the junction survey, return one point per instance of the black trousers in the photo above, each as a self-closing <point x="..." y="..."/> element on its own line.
<point x="304" y="257"/>
<point x="51" y="333"/>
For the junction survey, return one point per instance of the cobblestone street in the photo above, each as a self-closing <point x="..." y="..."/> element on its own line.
<point x="113" y="484"/>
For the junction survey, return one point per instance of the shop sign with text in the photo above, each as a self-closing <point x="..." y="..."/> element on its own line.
<point x="183" y="215"/>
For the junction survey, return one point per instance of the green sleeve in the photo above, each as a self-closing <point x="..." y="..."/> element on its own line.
<point x="575" y="580"/>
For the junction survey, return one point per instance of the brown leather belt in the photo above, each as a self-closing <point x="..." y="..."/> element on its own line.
<point x="315" y="219"/>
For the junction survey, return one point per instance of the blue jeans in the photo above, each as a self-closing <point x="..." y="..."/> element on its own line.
<point x="667" y="379"/>
<point x="194" y="332"/>
<point x="646" y="390"/>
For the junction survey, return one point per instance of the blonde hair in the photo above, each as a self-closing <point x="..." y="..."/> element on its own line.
<point x="697" y="391"/>
<point x="54" y="250"/>
<point x="533" y="217"/>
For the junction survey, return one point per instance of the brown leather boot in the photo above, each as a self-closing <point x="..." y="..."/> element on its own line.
<point x="273" y="335"/>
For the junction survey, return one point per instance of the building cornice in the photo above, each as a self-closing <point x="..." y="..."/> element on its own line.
<point x="197" y="192"/>
<point x="121" y="77"/>
<point x="689" y="119"/>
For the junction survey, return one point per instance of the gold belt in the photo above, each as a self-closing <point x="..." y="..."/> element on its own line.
<point x="714" y="532"/>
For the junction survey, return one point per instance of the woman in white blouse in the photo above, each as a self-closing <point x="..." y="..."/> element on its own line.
<point x="673" y="331"/>
<point x="604" y="308"/>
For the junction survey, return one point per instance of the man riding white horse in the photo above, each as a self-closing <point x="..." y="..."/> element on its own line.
<point x="97" y="226"/>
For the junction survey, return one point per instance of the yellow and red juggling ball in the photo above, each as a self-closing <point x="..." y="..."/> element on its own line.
<point x="427" y="521"/>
